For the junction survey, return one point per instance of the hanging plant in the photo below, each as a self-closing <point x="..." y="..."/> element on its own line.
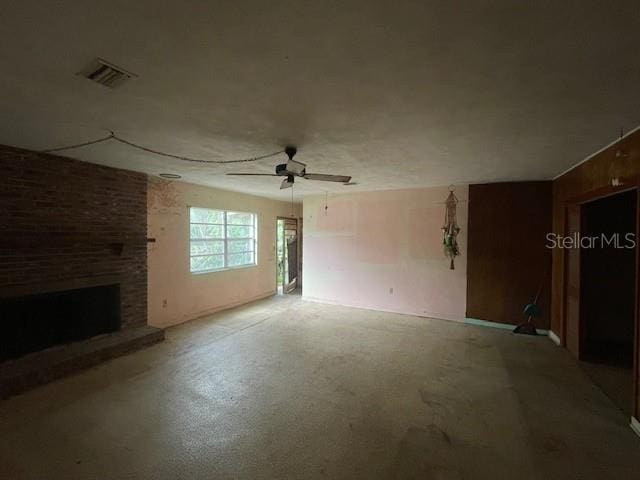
<point x="451" y="229"/>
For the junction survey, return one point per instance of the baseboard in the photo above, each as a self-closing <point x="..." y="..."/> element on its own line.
<point x="485" y="323"/>
<point x="554" y="338"/>
<point x="635" y="425"/>
<point x="218" y="309"/>
<point x="503" y="326"/>
<point x="434" y="315"/>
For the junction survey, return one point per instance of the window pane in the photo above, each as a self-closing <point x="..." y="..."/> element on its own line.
<point x="234" y="231"/>
<point x="240" y="246"/>
<point x="221" y="239"/>
<point x="206" y="231"/>
<point x="234" y="218"/>
<point x="237" y="259"/>
<point x="202" y="247"/>
<point x="206" y="215"/>
<point x="211" y="262"/>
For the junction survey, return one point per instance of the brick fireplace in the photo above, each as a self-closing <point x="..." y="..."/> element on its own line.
<point x="73" y="242"/>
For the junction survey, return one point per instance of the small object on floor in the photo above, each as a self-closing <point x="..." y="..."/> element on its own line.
<point x="530" y="311"/>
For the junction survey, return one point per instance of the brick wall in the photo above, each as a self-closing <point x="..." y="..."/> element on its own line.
<point x="65" y="222"/>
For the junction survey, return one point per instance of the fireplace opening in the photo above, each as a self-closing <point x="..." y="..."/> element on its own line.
<point x="35" y="322"/>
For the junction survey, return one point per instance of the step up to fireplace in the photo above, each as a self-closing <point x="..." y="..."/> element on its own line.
<point x="56" y="362"/>
<point x="52" y="330"/>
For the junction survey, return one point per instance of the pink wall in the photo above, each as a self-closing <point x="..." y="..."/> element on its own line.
<point x="175" y="294"/>
<point x="368" y="243"/>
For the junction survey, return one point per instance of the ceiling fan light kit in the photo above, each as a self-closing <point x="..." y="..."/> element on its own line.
<point x="287" y="182"/>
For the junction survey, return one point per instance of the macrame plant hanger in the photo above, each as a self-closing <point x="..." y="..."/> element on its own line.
<point x="451" y="229"/>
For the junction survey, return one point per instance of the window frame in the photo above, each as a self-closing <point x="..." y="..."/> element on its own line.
<point x="225" y="241"/>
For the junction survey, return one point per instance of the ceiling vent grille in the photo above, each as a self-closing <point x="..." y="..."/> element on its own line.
<point x="107" y="74"/>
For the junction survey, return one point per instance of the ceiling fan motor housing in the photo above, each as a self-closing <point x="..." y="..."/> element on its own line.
<point x="282" y="170"/>
<point x="290" y="151"/>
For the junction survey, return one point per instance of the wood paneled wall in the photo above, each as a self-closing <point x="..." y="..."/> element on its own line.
<point x="507" y="258"/>
<point x="616" y="168"/>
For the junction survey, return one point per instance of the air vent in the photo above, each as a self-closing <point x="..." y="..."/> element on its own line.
<point x="107" y="74"/>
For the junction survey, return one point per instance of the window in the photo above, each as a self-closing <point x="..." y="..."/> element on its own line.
<point x="221" y="240"/>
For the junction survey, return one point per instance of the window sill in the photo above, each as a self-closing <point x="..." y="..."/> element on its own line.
<point x="226" y="269"/>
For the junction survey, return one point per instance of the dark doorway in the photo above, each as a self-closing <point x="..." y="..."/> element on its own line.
<point x="607" y="293"/>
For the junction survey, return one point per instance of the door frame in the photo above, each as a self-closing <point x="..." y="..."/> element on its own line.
<point x="298" y="246"/>
<point x="578" y="202"/>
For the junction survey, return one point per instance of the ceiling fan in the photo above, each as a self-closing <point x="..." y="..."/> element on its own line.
<point x="293" y="169"/>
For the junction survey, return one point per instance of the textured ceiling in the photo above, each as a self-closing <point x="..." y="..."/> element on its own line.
<point x="395" y="93"/>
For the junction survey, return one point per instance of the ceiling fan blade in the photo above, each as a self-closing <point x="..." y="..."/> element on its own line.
<point x="286" y="183"/>
<point x="296" y="168"/>
<point x="328" y="178"/>
<point x="255" y="174"/>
